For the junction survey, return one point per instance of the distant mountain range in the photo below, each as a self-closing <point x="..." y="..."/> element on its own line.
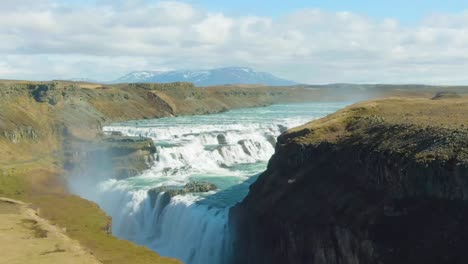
<point x="219" y="76"/>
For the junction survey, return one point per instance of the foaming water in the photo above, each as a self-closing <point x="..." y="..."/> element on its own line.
<point x="227" y="149"/>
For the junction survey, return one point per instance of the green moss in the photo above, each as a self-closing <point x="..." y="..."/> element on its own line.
<point x="12" y="184"/>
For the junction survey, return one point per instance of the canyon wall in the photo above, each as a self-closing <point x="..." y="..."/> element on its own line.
<point x="383" y="181"/>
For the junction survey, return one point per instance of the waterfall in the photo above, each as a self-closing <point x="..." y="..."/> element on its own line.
<point x="179" y="227"/>
<point x="184" y="226"/>
<point x="226" y="149"/>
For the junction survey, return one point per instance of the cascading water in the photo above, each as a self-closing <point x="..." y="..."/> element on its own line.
<point x="227" y="149"/>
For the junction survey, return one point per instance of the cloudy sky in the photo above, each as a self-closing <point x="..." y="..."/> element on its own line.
<point x="308" y="41"/>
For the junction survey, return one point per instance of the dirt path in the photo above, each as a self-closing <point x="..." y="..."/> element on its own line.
<point x="27" y="238"/>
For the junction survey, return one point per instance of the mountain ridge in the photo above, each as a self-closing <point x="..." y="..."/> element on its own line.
<point x="216" y="76"/>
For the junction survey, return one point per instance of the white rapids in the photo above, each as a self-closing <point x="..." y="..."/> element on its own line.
<point x="227" y="149"/>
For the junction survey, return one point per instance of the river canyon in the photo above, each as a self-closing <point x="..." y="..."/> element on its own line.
<point x="227" y="149"/>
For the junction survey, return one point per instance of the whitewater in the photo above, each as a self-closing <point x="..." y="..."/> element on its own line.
<point x="227" y="149"/>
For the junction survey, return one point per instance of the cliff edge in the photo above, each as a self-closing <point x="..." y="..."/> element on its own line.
<point x="383" y="181"/>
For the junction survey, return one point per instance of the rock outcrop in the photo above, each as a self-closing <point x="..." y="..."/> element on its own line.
<point x="191" y="187"/>
<point x="377" y="183"/>
<point x="21" y="133"/>
<point x="167" y="192"/>
<point x="113" y="156"/>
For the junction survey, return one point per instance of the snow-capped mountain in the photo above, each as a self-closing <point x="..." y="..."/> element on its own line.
<point x="219" y="76"/>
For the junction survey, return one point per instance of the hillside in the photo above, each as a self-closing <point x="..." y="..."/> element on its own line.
<point x="219" y="76"/>
<point x="382" y="181"/>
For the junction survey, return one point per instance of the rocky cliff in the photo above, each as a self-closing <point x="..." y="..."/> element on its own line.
<point x="383" y="181"/>
<point x="112" y="156"/>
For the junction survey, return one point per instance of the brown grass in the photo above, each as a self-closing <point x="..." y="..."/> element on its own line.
<point x="82" y="219"/>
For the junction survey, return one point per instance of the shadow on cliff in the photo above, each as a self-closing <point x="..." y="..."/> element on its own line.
<point x="230" y="196"/>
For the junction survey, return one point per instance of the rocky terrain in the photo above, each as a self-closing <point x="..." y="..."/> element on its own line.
<point x="115" y="155"/>
<point x="168" y="192"/>
<point x="383" y="181"/>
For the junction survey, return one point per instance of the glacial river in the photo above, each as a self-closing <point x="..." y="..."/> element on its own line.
<point x="228" y="149"/>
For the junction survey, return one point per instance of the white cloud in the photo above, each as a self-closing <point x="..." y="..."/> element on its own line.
<point x="214" y="29"/>
<point x="42" y="39"/>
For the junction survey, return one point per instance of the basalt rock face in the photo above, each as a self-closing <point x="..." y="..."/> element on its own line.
<point x="359" y="189"/>
<point x="117" y="157"/>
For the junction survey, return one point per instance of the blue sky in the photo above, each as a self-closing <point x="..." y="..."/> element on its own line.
<point x="409" y="10"/>
<point x="306" y="41"/>
<point x="405" y="11"/>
